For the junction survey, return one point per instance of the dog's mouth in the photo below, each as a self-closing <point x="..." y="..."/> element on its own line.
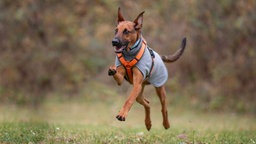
<point x="120" y="48"/>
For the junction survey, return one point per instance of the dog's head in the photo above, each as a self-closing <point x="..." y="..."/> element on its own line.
<point x="126" y="32"/>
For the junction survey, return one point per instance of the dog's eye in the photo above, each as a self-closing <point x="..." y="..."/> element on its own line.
<point x="126" y="31"/>
<point x="116" y="30"/>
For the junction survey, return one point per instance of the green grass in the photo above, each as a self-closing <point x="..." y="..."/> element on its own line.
<point x="41" y="132"/>
<point x="76" y="122"/>
<point x="92" y="120"/>
<point x="24" y="132"/>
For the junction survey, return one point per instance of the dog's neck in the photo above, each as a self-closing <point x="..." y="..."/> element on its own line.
<point x="132" y="52"/>
<point x="138" y="37"/>
<point x="136" y="43"/>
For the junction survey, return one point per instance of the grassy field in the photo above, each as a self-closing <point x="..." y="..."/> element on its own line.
<point x="77" y="123"/>
<point x="41" y="132"/>
<point x="92" y="120"/>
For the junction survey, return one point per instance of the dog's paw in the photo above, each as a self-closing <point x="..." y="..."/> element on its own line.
<point x="166" y="124"/>
<point x="120" y="118"/>
<point x="148" y="124"/>
<point x="112" y="71"/>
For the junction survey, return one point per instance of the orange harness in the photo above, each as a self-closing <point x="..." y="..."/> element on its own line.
<point x="128" y="65"/>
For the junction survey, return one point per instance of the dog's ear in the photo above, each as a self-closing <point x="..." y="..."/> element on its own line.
<point x="120" y="17"/>
<point x="138" y="21"/>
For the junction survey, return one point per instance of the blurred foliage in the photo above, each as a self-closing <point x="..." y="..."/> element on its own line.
<point x="223" y="55"/>
<point x="52" y="46"/>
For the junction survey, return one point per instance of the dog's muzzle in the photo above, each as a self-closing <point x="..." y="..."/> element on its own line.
<point x="116" y="42"/>
<point x="118" y="45"/>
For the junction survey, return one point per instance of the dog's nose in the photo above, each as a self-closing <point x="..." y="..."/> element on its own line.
<point x="116" y="42"/>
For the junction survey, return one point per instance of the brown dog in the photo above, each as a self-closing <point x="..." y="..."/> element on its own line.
<point x="139" y="65"/>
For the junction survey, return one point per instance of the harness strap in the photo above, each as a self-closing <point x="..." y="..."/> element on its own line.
<point x="153" y="61"/>
<point x="130" y="64"/>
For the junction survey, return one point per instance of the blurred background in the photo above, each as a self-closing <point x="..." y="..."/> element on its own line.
<point x="59" y="50"/>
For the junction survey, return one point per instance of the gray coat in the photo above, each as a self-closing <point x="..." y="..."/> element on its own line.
<point x="159" y="74"/>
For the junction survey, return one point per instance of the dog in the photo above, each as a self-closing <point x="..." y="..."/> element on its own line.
<point x="140" y="65"/>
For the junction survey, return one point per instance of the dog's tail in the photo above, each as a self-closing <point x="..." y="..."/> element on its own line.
<point x="177" y="54"/>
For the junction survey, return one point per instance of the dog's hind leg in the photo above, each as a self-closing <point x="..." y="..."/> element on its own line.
<point x="143" y="101"/>
<point x="162" y="96"/>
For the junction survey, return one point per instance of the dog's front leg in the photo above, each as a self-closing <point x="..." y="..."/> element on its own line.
<point x="118" y="73"/>
<point x="137" y="87"/>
